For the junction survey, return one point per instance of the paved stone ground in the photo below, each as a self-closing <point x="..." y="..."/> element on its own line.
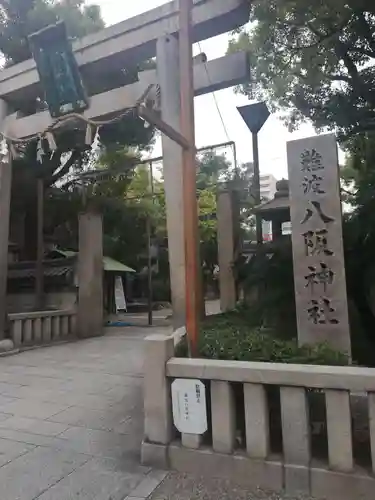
<point x="71" y="421"/>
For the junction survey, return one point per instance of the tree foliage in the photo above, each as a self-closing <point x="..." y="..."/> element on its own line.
<point x="18" y="19"/>
<point x="315" y="60"/>
<point x="21" y="18"/>
<point x="127" y="203"/>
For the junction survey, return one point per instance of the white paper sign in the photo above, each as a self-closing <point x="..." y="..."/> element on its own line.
<point x="119" y="295"/>
<point x="189" y="406"/>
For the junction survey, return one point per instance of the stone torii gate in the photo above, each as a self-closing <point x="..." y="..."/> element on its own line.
<point x="154" y="33"/>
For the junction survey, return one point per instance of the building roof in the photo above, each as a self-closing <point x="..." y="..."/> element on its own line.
<point x="65" y="253"/>
<point x="51" y="268"/>
<point x="109" y="264"/>
<point x="113" y="265"/>
<point x="30" y="272"/>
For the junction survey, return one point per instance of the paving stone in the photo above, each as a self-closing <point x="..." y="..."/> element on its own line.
<point x="5" y="400"/>
<point x="10" y="450"/>
<point x="32" y="408"/>
<point x="98" y="442"/>
<point x="69" y="397"/>
<point x="5" y="416"/>
<point x="40" y="393"/>
<point x="148" y="485"/>
<point x="92" y="419"/>
<point x="7" y="388"/>
<point x="30" y="475"/>
<point x="98" y="479"/>
<point x="90" y="401"/>
<point x="21" y="436"/>
<point x="33" y="425"/>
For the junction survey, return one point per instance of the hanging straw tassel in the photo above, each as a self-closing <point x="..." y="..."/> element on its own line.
<point x="39" y="150"/>
<point x="97" y="135"/>
<point x="89" y="135"/>
<point x="13" y="151"/>
<point x="51" y="141"/>
<point x="146" y="124"/>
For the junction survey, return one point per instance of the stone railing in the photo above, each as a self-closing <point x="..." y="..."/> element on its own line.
<point x="299" y="428"/>
<point x="34" y="328"/>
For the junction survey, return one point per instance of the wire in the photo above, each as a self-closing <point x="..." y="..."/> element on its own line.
<point x="214" y="96"/>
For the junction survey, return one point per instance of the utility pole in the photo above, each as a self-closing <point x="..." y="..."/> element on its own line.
<point x="193" y="282"/>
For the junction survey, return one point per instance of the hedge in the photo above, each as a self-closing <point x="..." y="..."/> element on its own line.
<point x="229" y="337"/>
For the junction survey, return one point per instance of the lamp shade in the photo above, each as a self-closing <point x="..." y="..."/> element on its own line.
<point x="254" y="115"/>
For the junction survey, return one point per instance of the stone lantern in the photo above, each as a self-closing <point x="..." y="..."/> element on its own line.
<point x="277" y="210"/>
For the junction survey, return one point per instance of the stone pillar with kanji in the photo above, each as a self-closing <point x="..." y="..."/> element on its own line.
<point x="318" y="255"/>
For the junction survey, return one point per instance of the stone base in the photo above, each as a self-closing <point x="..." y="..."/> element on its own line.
<point x="155" y="455"/>
<point x="237" y="467"/>
<point x="297" y="479"/>
<point x="6" y="345"/>
<point x="272" y="475"/>
<point x="204" y="462"/>
<point x="326" y="483"/>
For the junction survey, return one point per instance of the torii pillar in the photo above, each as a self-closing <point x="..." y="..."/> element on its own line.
<point x="5" y="196"/>
<point x="167" y="53"/>
<point x="90" y="275"/>
<point x="228" y="235"/>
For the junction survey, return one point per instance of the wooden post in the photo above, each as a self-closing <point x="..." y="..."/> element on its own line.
<point x="193" y="282"/>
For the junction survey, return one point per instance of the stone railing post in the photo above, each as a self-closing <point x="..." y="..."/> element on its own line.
<point x="157" y="399"/>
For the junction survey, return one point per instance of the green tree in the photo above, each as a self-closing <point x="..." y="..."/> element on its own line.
<point x="21" y="18"/>
<point x="314" y="60"/>
<point x="215" y="172"/>
<point x="18" y="19"/>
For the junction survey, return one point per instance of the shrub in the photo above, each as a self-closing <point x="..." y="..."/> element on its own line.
<point x="229" y="337"/>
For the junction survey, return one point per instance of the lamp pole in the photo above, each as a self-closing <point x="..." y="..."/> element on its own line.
<point x="255" y="116"/>
<point x="256" y="184"/>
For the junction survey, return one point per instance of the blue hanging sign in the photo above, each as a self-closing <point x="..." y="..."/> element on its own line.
<point x="58" y="71"/>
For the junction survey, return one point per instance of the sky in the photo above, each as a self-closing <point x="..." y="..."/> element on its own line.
<point x="209" y="127"/>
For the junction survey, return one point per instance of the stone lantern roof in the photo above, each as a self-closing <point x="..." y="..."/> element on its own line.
<point x="277" y="209"/>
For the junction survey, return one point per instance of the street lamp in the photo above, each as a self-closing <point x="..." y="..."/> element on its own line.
<point x="255" y="116"/>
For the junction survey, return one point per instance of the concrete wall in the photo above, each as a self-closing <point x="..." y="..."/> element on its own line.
<point x="24" y="302"/>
